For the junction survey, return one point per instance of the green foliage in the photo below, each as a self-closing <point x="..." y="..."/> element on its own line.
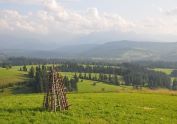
<point x="174" y="87"/>
<point x="31" y="72"/>
<point x="25" y="68"/>
<point x="174" y="73"/>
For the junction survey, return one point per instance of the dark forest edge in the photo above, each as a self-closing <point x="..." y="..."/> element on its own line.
<point x="19" y="61"/>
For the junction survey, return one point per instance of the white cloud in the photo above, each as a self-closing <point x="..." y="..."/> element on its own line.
<point x="56" y="18"/>
<point x="169" y="12"/>
<point x="21" y="1"/>
<point x="60" y="22"/>
<point x="14" y="21"/>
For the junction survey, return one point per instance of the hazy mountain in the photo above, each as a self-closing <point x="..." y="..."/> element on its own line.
<point x="132" y="50"/>
<point x="119" y="50"/>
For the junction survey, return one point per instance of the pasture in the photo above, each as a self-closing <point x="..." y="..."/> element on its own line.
<point x="98" y="108"/>
<point x="11" y="77"/>
<point x="164" y="70"/>
<point x="94" y="102"/>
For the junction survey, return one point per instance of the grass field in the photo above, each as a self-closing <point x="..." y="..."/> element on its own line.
<point x="92" y="104"/>
<point x="94" y="108"/>
<point x="11" y="76"/>
<point x="164" y="70"/>
<point x="87" y="86"/>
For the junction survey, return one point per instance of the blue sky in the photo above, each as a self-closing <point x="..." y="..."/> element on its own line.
<point x="86" y="21"/>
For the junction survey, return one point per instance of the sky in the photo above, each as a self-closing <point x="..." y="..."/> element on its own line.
<point x="86" y="21"/>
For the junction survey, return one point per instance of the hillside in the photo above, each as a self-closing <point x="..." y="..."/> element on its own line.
<point x="86" y="108"/>
<point x="119" y="50"/>
<point x="10" y="77"/>
<point x="132" y="50"/>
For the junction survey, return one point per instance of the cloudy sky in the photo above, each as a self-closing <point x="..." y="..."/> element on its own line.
<point x="87" y="21"/>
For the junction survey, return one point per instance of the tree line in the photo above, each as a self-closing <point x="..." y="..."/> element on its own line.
<point x="106" y="78"/>
<point x="133" y="74"/>
<point x="40" y="74"/>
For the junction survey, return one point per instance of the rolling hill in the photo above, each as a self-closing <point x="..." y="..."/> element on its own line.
<point x="118" y="50"/>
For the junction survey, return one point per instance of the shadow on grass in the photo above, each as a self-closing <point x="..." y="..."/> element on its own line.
<point x="19" y="110"/>
<point x="22" y="89"/>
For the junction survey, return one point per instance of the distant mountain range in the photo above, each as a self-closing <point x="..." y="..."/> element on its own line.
<point x="118" y="50"/>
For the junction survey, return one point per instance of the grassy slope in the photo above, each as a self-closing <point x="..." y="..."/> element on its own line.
<point x="11" y="76"/>
<point x="98" y="108"/>
<point x="134" y="107"/>
<point x="164" y="70"/>
<point x="87" y="86"/>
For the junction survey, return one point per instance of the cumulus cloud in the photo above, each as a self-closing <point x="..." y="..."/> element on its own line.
<point x="171" y="11"/>
<point x="168" y="12"/>
<point x="54" y="17"/>
<point x="22" y="1"/>
<point x="14" y="21"/>
<point x="56" y="21"/>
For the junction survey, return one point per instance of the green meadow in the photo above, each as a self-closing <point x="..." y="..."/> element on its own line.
<point x="164" y="70"/>
<point x="95" y="108"/>
<point x="93" y="103"/>
<point x="11" y="76"/>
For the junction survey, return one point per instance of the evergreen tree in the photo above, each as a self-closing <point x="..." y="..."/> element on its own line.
<point x="85" y="76"/>
<point x="31" y="72"/>
<point x="174" y="87"/>
<point x="73" y="84"/>
<point x="38" y="80"/>
<point x="90" y="76"/>
<point x="109" y="78"/>
<point x="76" y="77"/>
<point x="80" y="75"/>
<point x="116" y="81"/>
<point x="25" y="68"/>
<point x="67" y="83"/>
<point x="44" y="75"/>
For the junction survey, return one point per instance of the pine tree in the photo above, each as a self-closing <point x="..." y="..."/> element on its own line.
<point x="73" y="84"/>
<point x="67" y="83"/>
<point x="80" y="75"/>
<point x="25" y="68"/>
<point x="85" y="76"/>
<point x="76" y="77"/>
<point x="109" y="78"/>
<point x="174" y="87"/>
<point x="44" y="76"/>
<point x="31" y="72"/>
<point x="38" y="80"/>
<point x="116" y="81"/>
<point x="90" y="76"/>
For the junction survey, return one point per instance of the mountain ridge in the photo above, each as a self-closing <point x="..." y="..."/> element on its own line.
<point x="124" y="50"/>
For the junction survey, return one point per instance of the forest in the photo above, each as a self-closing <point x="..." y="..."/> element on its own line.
<point x="128" y="74"/>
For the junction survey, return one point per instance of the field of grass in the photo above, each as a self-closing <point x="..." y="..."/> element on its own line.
<point x="164" y="70"/>
<point x="87" y="86"/>
<point x="96" y="108"/>
<point x="11" y="76"/>
<point x="97" y="103"/>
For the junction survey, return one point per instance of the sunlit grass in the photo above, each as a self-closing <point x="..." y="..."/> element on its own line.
<point x="164" y="70"/>
<point x="11" y="76"/>
<point x="99" y="108"/>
